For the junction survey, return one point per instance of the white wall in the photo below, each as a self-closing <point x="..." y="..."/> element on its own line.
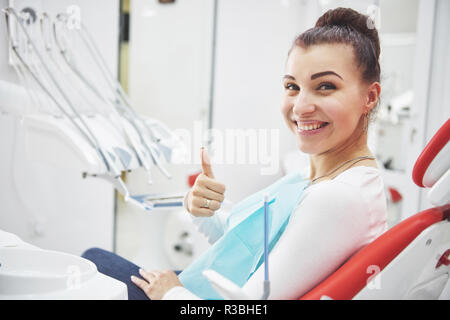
<point x="46" y="206"/>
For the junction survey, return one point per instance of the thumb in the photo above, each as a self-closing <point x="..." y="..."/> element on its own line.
<point x="206" y="163"/>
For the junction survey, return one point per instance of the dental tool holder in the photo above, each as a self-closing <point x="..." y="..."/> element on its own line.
<point x="62" y="125"/>
<point x="158" y="201"/>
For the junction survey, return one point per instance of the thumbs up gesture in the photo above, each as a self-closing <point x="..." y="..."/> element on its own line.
<point x="207" y="194"/>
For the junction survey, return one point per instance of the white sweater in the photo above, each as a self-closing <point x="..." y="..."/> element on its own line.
<point x="332" y="221"/>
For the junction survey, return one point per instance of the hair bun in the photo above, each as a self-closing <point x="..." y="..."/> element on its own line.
<point x="346" y="17"/>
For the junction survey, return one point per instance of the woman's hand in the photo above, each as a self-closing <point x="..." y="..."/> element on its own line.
<point x="156" y="283"/>
<point x="205" y="188"/>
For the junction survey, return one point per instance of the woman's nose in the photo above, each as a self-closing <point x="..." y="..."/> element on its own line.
<point x="302" y="106"/>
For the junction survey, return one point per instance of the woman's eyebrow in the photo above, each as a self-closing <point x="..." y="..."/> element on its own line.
<point x="288" y="76"/>
<point x="315" y="75"/>
<point x="324" y="73"/>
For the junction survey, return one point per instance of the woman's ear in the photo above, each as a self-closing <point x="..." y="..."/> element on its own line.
<point x="373" y="94"/>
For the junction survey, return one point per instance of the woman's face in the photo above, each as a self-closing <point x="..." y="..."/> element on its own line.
<point x="324" y="96"/>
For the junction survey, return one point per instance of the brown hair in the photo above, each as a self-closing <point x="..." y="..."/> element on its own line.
<point x="347" y="26"/>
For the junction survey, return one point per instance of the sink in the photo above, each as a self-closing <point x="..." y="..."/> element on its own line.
<point x="35" y="271"/>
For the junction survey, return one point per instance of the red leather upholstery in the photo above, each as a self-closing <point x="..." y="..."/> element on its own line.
<point x="192" y="178"/>
<point x="350" y="278"/>
<point x="433" y="147"/>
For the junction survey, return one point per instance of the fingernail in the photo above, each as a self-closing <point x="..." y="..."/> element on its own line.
<point x="132" y="278"/>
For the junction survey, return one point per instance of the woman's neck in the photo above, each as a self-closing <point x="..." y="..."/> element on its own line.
<point x="323" y="163"/>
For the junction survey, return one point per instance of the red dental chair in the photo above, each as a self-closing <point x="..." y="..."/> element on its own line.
<point x="412" y="259"/>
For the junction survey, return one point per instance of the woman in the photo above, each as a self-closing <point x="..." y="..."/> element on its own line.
<point x="331" y="89"/>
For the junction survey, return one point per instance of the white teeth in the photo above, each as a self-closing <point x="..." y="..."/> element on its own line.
<point x="308" y="127"/>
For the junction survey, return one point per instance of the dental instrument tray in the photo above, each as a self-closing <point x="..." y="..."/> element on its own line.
<point x="158" y="200"/>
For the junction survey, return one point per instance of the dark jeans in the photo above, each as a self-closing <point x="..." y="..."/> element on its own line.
<point x="118" y="268"/>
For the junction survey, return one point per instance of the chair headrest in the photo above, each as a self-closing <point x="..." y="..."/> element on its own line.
<point x="434" y="161"/>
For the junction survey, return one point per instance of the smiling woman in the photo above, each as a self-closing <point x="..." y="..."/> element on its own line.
<point x="331" y="85"/>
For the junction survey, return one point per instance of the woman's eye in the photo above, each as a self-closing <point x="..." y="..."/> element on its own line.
<point x="291" y="86"/>
<point x="326" y="86"/>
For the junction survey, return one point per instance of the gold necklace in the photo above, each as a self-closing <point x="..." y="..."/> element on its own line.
<point x="340" y="166"/>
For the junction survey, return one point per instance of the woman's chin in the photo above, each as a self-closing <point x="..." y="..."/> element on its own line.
<point x="312" y="144"/>
<point x="309" y="148"/>
<point x="306" y="148"/>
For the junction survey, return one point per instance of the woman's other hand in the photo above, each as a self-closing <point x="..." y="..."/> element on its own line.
<point x="155" y="284"/>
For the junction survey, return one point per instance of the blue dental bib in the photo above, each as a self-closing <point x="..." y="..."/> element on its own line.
<point x="239" y="252"/>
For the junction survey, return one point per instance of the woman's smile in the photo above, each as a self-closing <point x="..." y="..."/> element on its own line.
<point x="310" y="127"/>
